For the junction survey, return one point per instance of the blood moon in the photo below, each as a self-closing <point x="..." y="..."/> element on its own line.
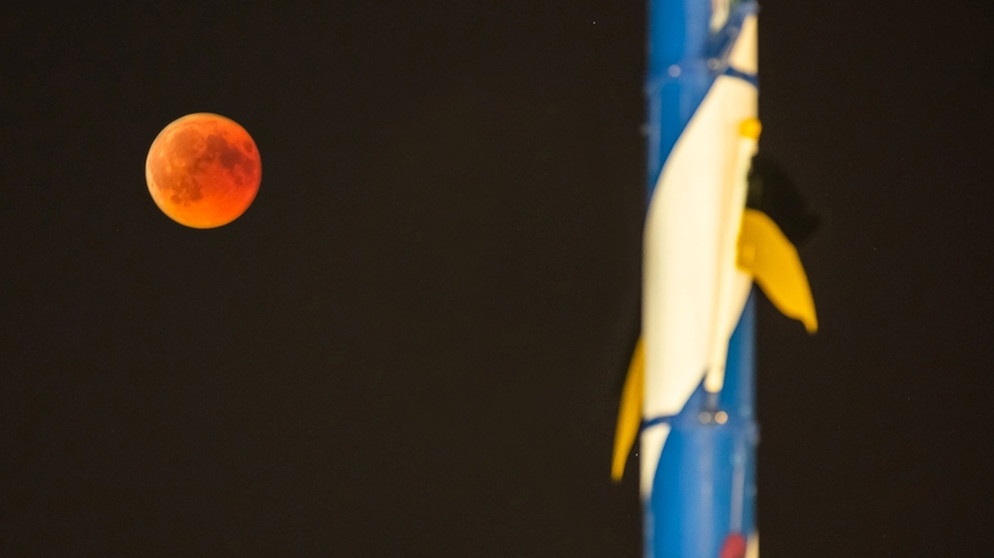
<point x="203" y="170"/>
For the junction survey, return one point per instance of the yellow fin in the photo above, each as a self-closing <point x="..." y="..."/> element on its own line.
<point x="629" y="412"/>
<point x="766" y="254"/>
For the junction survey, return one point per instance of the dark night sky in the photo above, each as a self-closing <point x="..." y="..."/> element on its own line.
<point x="412" y="344"/>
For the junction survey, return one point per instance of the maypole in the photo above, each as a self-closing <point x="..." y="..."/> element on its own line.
<point x="689" y="393"/>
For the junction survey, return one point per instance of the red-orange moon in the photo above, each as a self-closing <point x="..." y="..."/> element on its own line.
<point x="203" y="170"/>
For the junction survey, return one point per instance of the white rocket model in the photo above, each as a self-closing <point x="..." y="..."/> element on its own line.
<point x="702" y="251"/>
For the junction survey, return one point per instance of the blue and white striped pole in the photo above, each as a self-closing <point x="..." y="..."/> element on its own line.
<point x="693" y="368"/>
<point x="699" y="435"/>
<point x="689" y="394"/>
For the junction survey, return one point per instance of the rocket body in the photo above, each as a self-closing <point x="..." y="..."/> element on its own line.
<point x="699" y="434"/>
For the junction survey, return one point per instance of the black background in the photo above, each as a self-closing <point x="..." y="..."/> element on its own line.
<point x="413" y="343"/>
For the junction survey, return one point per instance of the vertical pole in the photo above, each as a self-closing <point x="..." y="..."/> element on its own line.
<point x="698" y="447"/>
